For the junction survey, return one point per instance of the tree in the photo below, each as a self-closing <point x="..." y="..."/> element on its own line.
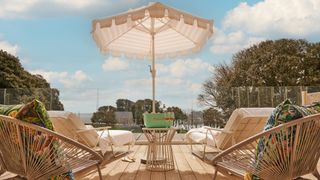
<point x="283" y="62"/>
<point x="179" y="115"/>
<point x="19" y="86"/>
<point x="142" y="106"/>
<point x="213" y="117"/>
<point x="104" y="115"/>
<point x="195" y="118"/>
<point x="216" y="91"/>
<point x="124" y="105"/>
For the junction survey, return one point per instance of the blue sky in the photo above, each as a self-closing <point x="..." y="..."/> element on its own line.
<point x="52" y="38"/>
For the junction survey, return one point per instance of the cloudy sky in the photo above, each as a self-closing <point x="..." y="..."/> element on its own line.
<point x="52" y="38"/>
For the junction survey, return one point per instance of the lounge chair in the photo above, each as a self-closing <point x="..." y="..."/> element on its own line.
<point x="243" y="123"/>
<point x="34" y="152"/>
<point x="287" y="151"/>
<point x="100" y="139"/>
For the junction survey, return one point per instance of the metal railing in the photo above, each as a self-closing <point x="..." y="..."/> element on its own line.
<point x="85" y="102"/>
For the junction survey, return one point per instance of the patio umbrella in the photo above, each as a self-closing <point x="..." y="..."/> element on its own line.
<point x="151" y="32"/>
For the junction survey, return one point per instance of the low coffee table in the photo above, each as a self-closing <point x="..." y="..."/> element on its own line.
<point x="159" y="155"/>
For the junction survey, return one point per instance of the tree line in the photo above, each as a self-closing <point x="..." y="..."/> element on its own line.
<point x="106" y="114"/>
<point x="272" y="63"/>
<point x="19" y="86"/>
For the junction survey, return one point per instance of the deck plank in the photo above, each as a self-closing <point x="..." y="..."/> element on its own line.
<point x="143" y="173"/>
<point x="158" y="175"/>
<point x="173" y="174"/>
<point x="187" y="167"/>
<point x="131" y="171"/>
<point x="185" y="170"/>
<point x="195" y="165"/>
<point x="116" y="172"/>
<point x="208" y="167"/>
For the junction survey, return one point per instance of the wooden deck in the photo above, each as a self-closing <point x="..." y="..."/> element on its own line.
<point x="187" y="167"/>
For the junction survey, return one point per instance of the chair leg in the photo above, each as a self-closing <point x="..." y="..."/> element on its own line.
<point x="316" y="174"/>
<point x="215" y="173"/>
<point x="204" y="151"/>
<point x="114" y="155"/>
<point x="99" y="171"/>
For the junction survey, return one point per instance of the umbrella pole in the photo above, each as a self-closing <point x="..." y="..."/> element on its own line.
<point x="153" y="73"/>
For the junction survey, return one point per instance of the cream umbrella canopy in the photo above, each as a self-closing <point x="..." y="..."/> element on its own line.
<point x="151" y="32"/>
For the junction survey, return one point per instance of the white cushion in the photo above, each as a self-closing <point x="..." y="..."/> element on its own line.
<point x="69" y="124"/>
<point x="118" y="138"/>
<point x="198" y="135"/>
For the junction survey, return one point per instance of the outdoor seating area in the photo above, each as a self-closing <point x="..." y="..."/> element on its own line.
<point x="288" y="151"/>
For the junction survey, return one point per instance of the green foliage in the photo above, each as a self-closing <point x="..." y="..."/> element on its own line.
<point x="124" y="105"/>
<point x="213" y="117"/>
<point x="142" y="106"/>
<point x="104" y="115"/>
<point x="179" y="115"/>
<point x="137" y="108"/>
<point x="19" y="86"/>
<point x="283" y="62"/>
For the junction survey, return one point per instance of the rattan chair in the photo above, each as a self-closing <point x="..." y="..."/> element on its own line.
<point x="34" y="152"/>
<point x="288" y="151"/>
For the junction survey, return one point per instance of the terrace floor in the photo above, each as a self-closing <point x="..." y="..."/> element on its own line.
<point x="187" y="167"/>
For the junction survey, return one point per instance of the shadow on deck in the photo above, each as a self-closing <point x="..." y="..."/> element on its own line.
<point x="187" y="167"/>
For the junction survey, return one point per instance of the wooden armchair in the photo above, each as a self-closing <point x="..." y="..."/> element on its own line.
<point x="242" y="124"/>
<point x="287" y="151"/>
<point x="34" y="152"/>
<point x="98" y="139"/>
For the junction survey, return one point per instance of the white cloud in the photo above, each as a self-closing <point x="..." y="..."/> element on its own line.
<point x="80" y="76"/>
<point x="25" y="61"/>
<point x="10" y="48"/>
<point x="174" y="81"/>
<point x="41" y="8"/>
<point x="170" y="84"/>
<point x="10" y="7"/>
<point x="66" y="79"/>
<point x="171" y="91"/>
<point x="75" y="79"/>
<point x="293" y="17"/>
<point x="246" y="24"/>
<point x="232" y="42"/>
<point x="182" y="68"/>
<point x="196" y="87"/>
<point x="50" y="75"/>
<point x="77" y="4"/>
<point x="138" y="82"/>
<point x="114" y="64"/>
